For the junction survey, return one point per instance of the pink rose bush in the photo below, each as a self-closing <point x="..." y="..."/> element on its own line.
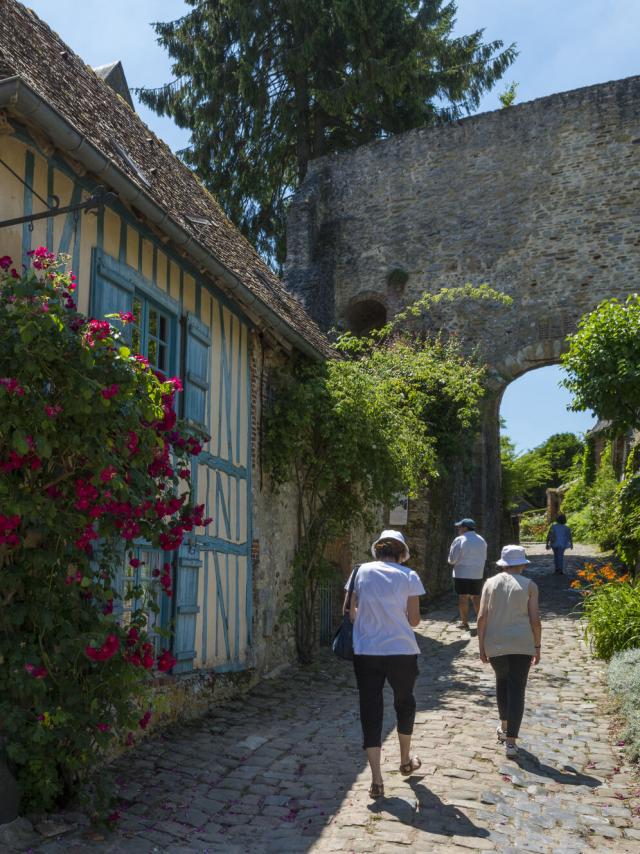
<point x="92" y="459"/>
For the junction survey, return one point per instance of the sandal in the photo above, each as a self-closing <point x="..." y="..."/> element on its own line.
<point x="409" y="767"/>
<point x="376" y="790"/>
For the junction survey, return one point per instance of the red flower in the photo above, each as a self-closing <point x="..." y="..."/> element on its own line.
<point x="143" y="723"/>
<point x="39" y="672"/>
<point x="132" y="442"/>
<point x="108" y="474"/>
<point x="12" y="386"/>
<point x="108" y="608"/>
<point x="52" y="411"/>
<point x="5" y="262"/>
<point x="104" y="652"/>
<point x="166" y="661"/>
<point x="134" y="562"/>
<point x="104" y="727"/>
<point x="110" y="391"/>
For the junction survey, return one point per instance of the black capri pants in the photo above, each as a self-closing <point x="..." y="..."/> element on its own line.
<point x="371" y="673"/>
<point x="512" y="672"/>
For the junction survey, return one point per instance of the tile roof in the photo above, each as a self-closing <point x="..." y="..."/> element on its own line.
<point x="31" y="50"/>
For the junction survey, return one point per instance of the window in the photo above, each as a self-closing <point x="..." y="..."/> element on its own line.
<point x="144" y="579"/>
<point x="150" y="333"/>
<point x="116" y="288"/>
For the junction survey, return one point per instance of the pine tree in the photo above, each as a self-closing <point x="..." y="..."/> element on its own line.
<point x="265" y="86"/>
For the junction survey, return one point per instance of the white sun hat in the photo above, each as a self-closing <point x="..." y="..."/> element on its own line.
<point x="391" y="535"/>
<point x="513" y="556"/>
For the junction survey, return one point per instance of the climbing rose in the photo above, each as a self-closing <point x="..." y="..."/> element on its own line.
<point x="166" y="661"/>
<point x="110" y="391"/>
<point x="39" y="672"/>
<point x="6" y="262"/>
<point x="104" y="652"/>
<point x="143" y="723"/>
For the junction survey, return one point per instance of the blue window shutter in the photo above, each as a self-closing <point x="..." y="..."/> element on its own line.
<point x="186" y="608"/>
<point x="109" y="294"/>
<point x="196" y="378"/>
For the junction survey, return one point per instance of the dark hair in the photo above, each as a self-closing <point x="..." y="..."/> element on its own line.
<point x="389" y="549"/>
<point x="561" y="518"/>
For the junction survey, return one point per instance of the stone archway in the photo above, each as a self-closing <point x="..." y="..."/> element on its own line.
<point x="540" y="201"/>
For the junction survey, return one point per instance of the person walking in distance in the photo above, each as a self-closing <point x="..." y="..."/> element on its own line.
<point x="559" y="539"/>
<point x="467" y="555"/>
<point x="384" y="610"/>
<point x="509" y="633"/>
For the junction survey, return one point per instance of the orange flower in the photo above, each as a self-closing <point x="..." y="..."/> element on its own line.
<point x="576" y="584"/>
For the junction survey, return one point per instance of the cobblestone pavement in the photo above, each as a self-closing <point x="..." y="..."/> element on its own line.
<point x="281" y="770"/>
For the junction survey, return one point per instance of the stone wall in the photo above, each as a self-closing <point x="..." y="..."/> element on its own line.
<point x="541" y="201"/>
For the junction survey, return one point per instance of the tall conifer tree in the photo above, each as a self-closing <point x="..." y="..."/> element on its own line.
<point x="265" y="86"/>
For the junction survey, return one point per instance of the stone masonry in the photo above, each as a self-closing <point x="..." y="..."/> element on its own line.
<point x="540" y="200"/>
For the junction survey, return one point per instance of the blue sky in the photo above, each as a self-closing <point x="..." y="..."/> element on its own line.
<point x="563" y="44"/>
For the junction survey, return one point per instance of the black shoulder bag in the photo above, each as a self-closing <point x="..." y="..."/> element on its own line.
<point x="342" y="644"/>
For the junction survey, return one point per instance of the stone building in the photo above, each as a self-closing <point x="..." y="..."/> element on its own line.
<point x="207" y="308"/>
<point x="540" y="201"/>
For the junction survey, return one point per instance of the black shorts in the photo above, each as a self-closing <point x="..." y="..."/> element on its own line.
<point x="468" y="586"/>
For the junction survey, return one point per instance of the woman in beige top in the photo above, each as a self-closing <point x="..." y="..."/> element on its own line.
<point x="509" y="632"/>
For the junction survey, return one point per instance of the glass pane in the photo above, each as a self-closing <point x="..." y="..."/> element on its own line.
<point x="163" y="327"/>
<point x="152" y="355"/>
<point x="162" y="357"/>
<point x="153" y="322"/>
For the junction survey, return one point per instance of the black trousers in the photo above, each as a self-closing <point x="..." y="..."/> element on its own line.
<point x="371" y="673"/>
<point x="512" y="672"/>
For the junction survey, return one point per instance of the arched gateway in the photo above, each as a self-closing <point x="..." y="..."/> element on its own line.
<point x="540" y="201"/>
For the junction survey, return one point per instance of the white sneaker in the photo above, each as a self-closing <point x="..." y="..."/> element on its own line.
<point x="502" y="736"/>
<point x="511" y="751"/>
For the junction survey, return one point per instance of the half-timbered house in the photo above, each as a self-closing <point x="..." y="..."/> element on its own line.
<point x="145" y="236"/>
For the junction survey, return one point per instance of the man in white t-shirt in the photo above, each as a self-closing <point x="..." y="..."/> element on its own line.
<point x="467" y="555"/>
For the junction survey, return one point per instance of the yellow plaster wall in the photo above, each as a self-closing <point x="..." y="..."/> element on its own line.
<point x="220" y="572"/>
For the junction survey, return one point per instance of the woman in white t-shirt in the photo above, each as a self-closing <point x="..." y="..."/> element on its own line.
<point x="384" y="610"/>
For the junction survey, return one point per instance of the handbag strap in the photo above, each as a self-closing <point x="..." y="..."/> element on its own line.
<point x="351" y="586"/>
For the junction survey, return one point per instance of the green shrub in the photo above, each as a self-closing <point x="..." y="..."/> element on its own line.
<point x="533" y="527"/>
<point x="611" y="609"/>
<point x="624" y="682"/>
<point x="589" y="509"/>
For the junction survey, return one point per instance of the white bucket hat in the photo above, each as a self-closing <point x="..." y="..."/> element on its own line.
<point x="391" y="535"/>
<point x="513" y="556"/>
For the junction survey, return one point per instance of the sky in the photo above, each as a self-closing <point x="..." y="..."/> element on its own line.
<point x="563" y="44"/>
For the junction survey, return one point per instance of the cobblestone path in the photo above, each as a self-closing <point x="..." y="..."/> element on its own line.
<point x="282" y="769"/>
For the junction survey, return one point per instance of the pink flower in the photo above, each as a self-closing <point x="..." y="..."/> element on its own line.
<point x="126" y="316"/>
<point x="129" y="742"/>
<point x="110" y="391"/>
<point x="107" y="608"/>
<point x="52" y="411"/>
<point x="5" y="262"/>
<point x="176" y="382"/>
<point x="135" y="562"/>
<point x="39" y="672"/>
<point x="104" y="727"/>
<point x="143" y="723"/>
<point x="12" y="386"/>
